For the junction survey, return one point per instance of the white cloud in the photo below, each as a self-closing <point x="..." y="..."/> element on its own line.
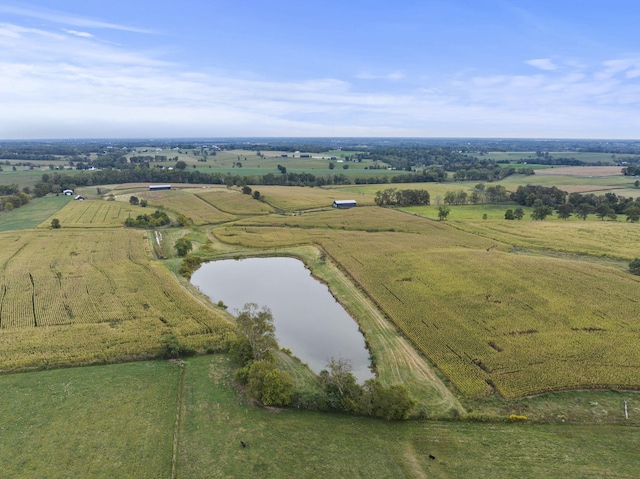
<point x="79" y="34"/>
<point x="543" y="64"/>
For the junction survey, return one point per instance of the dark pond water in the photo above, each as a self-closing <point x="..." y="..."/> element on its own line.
<point x="308" y="320"/>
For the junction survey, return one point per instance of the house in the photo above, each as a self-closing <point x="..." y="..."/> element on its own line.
<point x="159" y="187"/>
<point x="79" y="197"/>
<point x="344" y="203"/>
<point x="67" y="192"/>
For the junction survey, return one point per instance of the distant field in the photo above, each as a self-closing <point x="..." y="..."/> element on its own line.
<point x="486" y="318"/>
<point x="235" y="203"/>
<point x="589" y="171"/>
<point x="96" y="214"/>
<point x="531" y="157"/>
<point x="80" y="297"/>
<point x="33" y="213"/>
<point x="291" y="199"/>
<point x="188" y="204"/>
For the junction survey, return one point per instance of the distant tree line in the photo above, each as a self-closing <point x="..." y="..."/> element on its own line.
<point x="393" y="196"/>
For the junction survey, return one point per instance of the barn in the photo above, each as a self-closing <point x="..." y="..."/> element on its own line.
<point x="344" y="203"/>
<point x="159" y="187"/>
<point x="67" y="192"/>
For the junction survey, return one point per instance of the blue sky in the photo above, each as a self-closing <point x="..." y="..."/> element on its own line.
<point x="214" y="68"/>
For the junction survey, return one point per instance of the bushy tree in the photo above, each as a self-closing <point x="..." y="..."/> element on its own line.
<point x="183" y="246"/>
<point x="180" y="165"/>
<point x="443" y="212"/>
<point x="55" y="223"/>
<point x="541" y="212"/>
<point x="133" y="200"/>
<point x="518" y="213"/>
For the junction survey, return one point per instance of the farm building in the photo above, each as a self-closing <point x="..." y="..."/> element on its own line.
<point x="67" y="192"/>
<point x="344" y="203"/>
<point x="79" y="197"/>
<point x="159" y="187"/>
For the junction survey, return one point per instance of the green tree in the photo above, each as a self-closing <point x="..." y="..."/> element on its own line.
<point x="183" y="246"/>
<point x="583" y="210"/>
<point x="541" y="212"/>
<point x="518" y="213"/>
<point x="256" y="195"/>
<point x="603" y="210"/>
<point x="277" y="388"/>
<point x="331" y="165"/>
<point x="633" y="213"/>
<point x="508" y="215"/>
<point x="342" y="389"/>
<point x="388" y="402"/>
<point x="565" y="210"/>
<point x="55" y="223"/>
<point x="246" y="190"/>
<point x="182" y="220"/>
<point x="443" y="212"/>
<point x="180" y="165"/>
<point x="257" y="326"/>
<point x="134" y="200"/>
<point x="143" y="203"/>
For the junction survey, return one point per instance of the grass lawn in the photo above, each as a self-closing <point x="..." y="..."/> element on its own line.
<point x="33" y="213"/>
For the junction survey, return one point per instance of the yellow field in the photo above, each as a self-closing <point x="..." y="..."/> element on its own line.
<point x="489" y="319"/>
<point x="188" y="204"/>
<point x="235" y="203"/>
<point x="79" y="297"/>
<point x="95" y="214"/>
<point x="609" y="239"/>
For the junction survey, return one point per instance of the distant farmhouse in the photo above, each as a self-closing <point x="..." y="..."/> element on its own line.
<point x="79" y="198"/>
<point x="67" y="192"/>
<point x="344" y="203"/>
<point x="159" y="187"/>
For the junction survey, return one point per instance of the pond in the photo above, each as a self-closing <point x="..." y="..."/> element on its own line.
<point x="308" y="319"/>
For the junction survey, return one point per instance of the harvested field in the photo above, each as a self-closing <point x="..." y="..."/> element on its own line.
<point x="188" y="204"/>
<point x="95" y="214"/>
<point x="291" y="199"/>
<point x="235" y="203"/>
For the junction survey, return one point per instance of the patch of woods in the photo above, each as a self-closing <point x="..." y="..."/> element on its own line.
<point x="393" y="197"/>
<point x="338" y="390"/>
<point x="157" y="218"/>
<point x="11" y="197"/>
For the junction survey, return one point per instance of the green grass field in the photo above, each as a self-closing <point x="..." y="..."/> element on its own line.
<point x="119" y="421"/>
<point x="33" y="213"/>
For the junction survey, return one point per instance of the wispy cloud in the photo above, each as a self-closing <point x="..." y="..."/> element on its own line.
<point x="543" y="64"/>
<point x="66" y="19"/>
<point x="393" y="76"/>
<point x="79" y="34"/>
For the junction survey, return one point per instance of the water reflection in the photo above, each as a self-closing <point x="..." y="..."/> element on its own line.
<point x="308" y="320"/>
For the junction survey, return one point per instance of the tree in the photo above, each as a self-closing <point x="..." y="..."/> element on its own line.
<point x="633" y="213"/>
<point x="634" y="267"/>
<point x="55" y="223"/>
<point x="277" y="388"/>
<point x="183" y="246"/>
<point x="518" y="213"/>
<point x="508" y="215"/>
<point x="603" y="210"/>
<point x="541" y="212"/>
<point x="257" y="326"/>
<point x="565" y="210"/>
<point x="256" y="195"/>
<point x="143" y="203"/>
<point x="246" y="190"/>
<point x="583" y="210"/>
<point x="341" y="387"/>
<point x="443" y="212"/>
<point x="134" y="200"/>
<point x="331" y="165"/>
<point x="181" y="165"/>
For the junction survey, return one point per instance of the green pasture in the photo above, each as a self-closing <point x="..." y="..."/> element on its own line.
<point x="531" y="157"/>
<point x="98" y="422"/>
<point x="33" y="213"/>
<point x="119" y="421"/>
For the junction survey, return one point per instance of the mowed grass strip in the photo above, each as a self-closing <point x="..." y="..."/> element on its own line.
<point x="235" y="203"/>
<point x="99" y="422"/>
<point x="98" y="294"/>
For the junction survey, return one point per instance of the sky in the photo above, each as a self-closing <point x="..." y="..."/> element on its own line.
<point x="247" y="68"/>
